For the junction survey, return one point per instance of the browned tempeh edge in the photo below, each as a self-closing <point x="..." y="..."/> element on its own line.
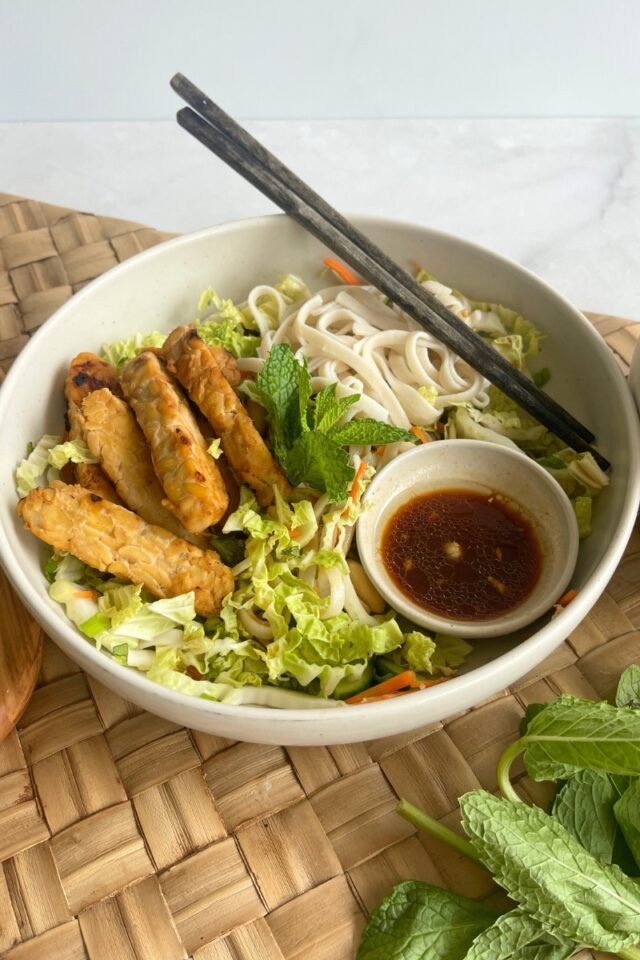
<point x="126" y="836"/>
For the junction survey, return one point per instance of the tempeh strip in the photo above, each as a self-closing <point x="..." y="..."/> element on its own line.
<point x="89" y="475"/>
<point x="112" y="434"/>
<point x="117" y="541"/>
<point x="227" y="364"/>
<point x="197" y="370"/>
<point x="87" y="372"/>
<point x="193" y="485"/>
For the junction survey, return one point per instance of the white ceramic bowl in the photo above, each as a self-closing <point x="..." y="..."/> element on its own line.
<point x="159" y="289"/>
<point x="483" y="468"/>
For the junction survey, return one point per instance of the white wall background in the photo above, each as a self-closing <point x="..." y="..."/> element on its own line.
<point x="112" y="59"/>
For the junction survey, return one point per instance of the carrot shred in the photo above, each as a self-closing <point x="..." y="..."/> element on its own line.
<point x="392" y="685"/>
<point x="294" y="533"/>
<point x="384" y="696"/>
<point x="379" y="451"/>
<point x="355" y="486"/>
<point x="85" y="594"/>
<point x="420" y="434"/>
<point x="343" y="272"/>
<point x="565" y="600"/>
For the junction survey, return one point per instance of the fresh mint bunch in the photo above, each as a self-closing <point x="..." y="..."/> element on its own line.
<point x="308" y="435"/>
<point x="573" y="873"/>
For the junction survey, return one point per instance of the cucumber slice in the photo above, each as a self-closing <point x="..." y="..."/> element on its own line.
<point x="352" y="685"/>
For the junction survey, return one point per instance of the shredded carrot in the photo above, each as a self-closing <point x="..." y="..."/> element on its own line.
<point x="393" y="684"/>
<point x="85" y="594"/>
<point x="355" y="486"/>
<point x="379" y="451"/>
<point x="567" y="598"/>
<point x="420" y="434"/>
<point x="384" y="696"/>
<point x="343" y="272"/>
<point x="294" y="533"/>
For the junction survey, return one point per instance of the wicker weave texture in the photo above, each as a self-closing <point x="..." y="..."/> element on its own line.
<point x="126" y="837"/>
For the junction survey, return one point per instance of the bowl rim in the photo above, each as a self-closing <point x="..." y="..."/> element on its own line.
<point x="526" y="612"/>
<point x="477" y="680"/>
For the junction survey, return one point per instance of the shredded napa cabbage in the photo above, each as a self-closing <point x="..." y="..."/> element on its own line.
<point x="49" y="455"/>
<point x="214" y="449"/>
<point x="121" y="351"/>
<point x="274" y="632"/>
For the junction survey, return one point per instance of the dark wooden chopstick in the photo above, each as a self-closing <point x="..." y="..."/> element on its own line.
<point x="240" y="151"/>
<point x="214" y="114"/>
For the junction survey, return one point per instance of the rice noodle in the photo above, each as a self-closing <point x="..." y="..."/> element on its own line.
<point x="352" y="337"/>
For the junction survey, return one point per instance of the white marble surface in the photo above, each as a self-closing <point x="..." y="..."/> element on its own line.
<point x="561" y="197"/>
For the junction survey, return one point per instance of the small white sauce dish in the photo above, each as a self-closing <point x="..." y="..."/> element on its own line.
<point x="485" y="468"/>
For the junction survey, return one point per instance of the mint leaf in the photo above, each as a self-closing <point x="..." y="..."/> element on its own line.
<point x="322" y="463"/>
<point x="420" y="922"/>
<point x="627" y="814"/>
<point x="553" y="878"/>
<point x="278" y="385"/>
<point x="366" y="432"/>
<point x="324" y="401"/>
<point x="328" y="410"/>
<point x="517" y="936"/>
<point x="304" y="387"/>
<point x="628" y="694"/>
<point x="571" y="735"/>
<point x="306" y="439"/>
<point x="584" y="807"/>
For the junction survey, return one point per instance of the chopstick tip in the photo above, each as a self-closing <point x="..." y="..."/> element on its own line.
<point x="176" y="80"/>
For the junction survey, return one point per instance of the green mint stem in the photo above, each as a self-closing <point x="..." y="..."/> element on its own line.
<point x="504" y="766"/>
<point x="631" y="953"/>
<point x="424" y="822"/>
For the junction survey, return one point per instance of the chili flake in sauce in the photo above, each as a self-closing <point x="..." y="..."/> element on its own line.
<point x="462" y="554"/>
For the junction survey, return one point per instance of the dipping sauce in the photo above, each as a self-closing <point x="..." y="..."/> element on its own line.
<point x="461" y="554"/>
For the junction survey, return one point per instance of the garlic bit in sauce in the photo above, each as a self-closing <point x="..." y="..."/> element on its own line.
<point x="461" y="554"/>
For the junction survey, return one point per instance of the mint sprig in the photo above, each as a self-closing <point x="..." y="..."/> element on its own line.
<point x="308" y="435"/>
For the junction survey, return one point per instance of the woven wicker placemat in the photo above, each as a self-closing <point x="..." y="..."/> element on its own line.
<point x="126" y="837"/>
